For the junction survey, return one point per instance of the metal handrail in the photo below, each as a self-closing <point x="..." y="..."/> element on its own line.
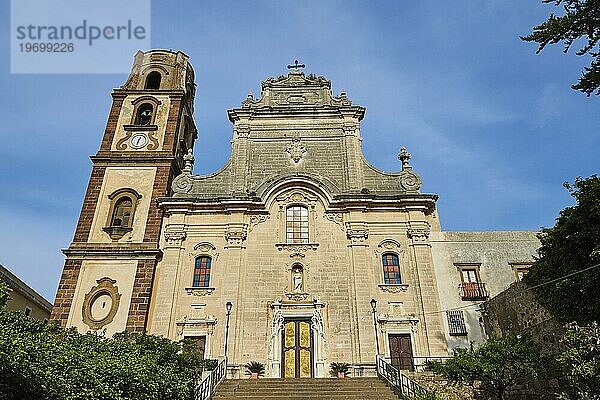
<point x="400" y="383"/>
<point x="419" y="364"/>
<point x="206" y="388"/>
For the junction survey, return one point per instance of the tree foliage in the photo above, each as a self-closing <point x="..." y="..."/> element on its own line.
<point x="581" y="362"/>
<point x="581" y="20"/>
<point x="42" y="361"/>
<point x="572" y="245"/>
<point x="4" y="294"/>
<point x="496" y="368"/>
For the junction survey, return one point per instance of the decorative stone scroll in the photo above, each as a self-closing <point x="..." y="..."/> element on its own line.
<point x="204" y="249"/>
<point x="398" y="288"/>
<point x="335" y="217"/>
<point x="257" y="219"/>
<point x="296" y="196"/>
<point x="410" y="181"/>
<point x="200" y="291"/>
<point x="357" y="233"/>
<point x="297" y="296"/>
<point x="235" y="235"/>
<point x="196" y="319"/>
<point x="387" y="245"/>
<point x="418" y="234"/>
<point x="174" y="235"/>
<point x="389" y="322"/>
<point x="297" y="248"/>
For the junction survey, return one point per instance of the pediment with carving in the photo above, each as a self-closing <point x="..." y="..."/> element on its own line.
<point x="296" y="89"/>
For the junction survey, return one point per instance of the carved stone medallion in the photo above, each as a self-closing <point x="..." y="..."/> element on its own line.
<point x="101" y="304"/>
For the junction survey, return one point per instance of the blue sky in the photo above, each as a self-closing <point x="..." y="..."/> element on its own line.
<point x="493" y="128"/>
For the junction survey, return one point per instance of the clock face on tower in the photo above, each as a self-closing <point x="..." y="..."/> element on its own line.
<point x="138" y="140"/>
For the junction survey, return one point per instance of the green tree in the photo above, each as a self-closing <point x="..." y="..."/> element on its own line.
<point x="581" y="20"/>
<point x="581" y="362"/>
<point x="4" y="294"/>
<point x="572" y="245"/>
<point x="496" y="367"/>
<point x="42" y="361"/>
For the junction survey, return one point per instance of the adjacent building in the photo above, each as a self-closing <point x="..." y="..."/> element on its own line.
<point x="23" y="298"/>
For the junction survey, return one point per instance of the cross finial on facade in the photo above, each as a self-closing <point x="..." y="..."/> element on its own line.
<point x="296" y="66"/>
<point x="404" y="156"/>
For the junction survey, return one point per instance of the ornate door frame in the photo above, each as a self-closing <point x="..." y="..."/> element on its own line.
<point x="282" y="312"/>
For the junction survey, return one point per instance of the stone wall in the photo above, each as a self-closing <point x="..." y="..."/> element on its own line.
<point x="516" y="310"/>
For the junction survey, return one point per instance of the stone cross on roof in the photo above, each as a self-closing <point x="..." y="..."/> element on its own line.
<point x="296" y="66"/>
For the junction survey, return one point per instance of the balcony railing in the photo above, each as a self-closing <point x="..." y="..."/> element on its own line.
<point x="474" y="291"/>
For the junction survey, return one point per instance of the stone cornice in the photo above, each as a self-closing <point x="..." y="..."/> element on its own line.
<point x="112" y="253"/>
<point x="150" y="157"/>
<point x="237" y="114"/>
<point x="339" y="204"/>
<point x="157" y="92"/>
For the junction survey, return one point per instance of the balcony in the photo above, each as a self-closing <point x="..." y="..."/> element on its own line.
<point x="474" y="291"/>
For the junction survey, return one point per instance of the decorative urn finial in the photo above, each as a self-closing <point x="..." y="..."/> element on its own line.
<point x="188" y="161"/>
<point x="404" y="156"/>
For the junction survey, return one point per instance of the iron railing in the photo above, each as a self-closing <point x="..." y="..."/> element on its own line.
<point x="474" y="291"/>
<point x="420" y="363"/>
<point x="206" y="388"/>
<point x="401" y="384"/>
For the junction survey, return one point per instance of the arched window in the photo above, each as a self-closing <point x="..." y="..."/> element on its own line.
<point x="122" y="212"/>
<point x="123" y="203"/>
<point x="144" y="114"/>
<point x="391" y="269"/>
<point x="296" y="224"/>
<point x="202" y="272"/>
<point x="153" y="80"/>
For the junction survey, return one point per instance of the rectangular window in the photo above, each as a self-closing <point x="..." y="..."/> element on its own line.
<point x="296" y="224"/>
<point x="391" y="269"/>
<point x="469" y="275"/>
<point x="202" y="272"/>
<point x="520" y="269"/>
<point x="27" y="311"/>
<point x="456" y="323"/>
<point x="472" y="288"/>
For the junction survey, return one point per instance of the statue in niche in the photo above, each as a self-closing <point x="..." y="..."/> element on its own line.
<point x="298" y="279"/>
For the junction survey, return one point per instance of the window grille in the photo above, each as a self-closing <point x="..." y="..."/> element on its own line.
<point x="456" y="322"/>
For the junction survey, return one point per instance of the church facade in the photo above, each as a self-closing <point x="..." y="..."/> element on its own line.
<point x="297" y="253"/>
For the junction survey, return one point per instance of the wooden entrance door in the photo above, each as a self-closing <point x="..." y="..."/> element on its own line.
<point x="200" y="344"/>
<point x="401" y="351"/>
<point x="297" y="349"/>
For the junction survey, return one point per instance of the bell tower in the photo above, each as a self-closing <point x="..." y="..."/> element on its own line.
<point x="109" y="270"/>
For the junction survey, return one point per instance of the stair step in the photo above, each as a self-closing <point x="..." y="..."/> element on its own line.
<point x="303" y="389"/>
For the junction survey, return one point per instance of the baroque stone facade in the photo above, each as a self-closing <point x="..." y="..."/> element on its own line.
<point x="298" y="231"/>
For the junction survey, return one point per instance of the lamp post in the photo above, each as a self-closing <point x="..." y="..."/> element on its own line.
<point x="374" y="308"/>
<point x="228" y="307"/>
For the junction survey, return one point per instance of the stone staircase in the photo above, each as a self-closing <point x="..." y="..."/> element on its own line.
<point x="305" y="389"/>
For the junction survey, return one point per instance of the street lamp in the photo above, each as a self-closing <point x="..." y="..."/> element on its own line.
<point x="374" y="308"/>
<point x="228" y="307"/>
